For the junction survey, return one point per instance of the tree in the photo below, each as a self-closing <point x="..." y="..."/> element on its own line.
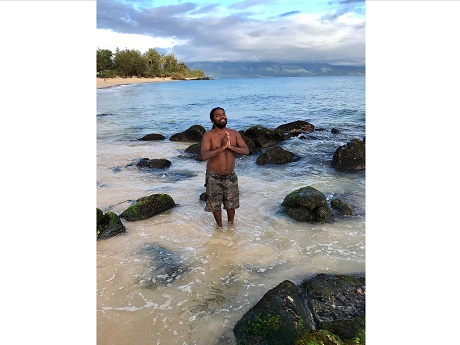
<point x="104" y="61"/>
<point x="129" y="62"/>
<point x="153" y="59"/>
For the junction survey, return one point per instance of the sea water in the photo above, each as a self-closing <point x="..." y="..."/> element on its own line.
<point x="223" y="273"/>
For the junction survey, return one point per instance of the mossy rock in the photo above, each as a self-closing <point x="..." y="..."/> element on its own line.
<point x="278" y="318"/>
<point x="351" y="331"/>
<point x="108" y="224"/>
<point x="307" y="204"/>
<point x="148" y="206"/>
<point x="344" y="208"/>
<point x="320" y="337"/>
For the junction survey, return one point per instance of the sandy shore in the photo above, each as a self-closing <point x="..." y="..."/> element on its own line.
<point x="101" y="83"/>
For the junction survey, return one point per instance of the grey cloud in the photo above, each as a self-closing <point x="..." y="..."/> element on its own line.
<point x="231" y="38"/>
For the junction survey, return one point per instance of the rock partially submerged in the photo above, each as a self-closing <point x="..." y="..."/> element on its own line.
<point x="160" y="163"/>
<point x="108" y="224"/>
<point x="327" y="309"/>
<point x="350" y="157"/>
<point x="148" y="206"/>
<point x="152" y="137"/>
<point x="192" y="134"/>
<point x="276" y="155"/>
<point x="307" y="204"/>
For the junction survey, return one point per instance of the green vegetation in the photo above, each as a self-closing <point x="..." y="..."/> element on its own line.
<point x="151" y="64"/>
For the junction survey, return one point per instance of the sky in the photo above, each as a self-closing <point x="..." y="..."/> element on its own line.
<point x="329" y="31"/>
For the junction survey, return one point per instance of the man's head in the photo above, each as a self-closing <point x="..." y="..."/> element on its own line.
<point x="218" y="117"/>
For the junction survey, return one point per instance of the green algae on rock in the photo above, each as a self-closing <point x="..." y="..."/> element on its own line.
<point x="148" y="206"/>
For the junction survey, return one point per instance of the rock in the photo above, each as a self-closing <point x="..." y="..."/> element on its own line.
<point x="192" y="134"/>
<point x="148" y="206"/>
<point x="307" y="205"/>
<point x="336" y="297"/>
<point x="162" y="265"/>
<point x="108" y="224"/>
<point x="250" y="143"/>
<point x="276" y="155"/>
<point x="154" y="163"/>
<point x="326" y="309"/>
<point x="194" y="151"/>
<point x="263" y="137"/>
<point x="350" y="157"/>
<point x="293" y="129"/>
<point x="278" y="318"/>
<point x="335" y="131"/>
<point x="152" y="136"/>
<point x="344" y="208"/>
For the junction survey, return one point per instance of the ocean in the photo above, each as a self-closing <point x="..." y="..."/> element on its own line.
<point x="223" y="273"/>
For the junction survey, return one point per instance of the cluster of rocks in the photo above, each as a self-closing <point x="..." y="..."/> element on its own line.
<point x="305" y="204"/>
<point x="327" y="309"/>
<point x="259" y="139"/>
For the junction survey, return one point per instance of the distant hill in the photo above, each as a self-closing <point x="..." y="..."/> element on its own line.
<point x="272" y="69"/>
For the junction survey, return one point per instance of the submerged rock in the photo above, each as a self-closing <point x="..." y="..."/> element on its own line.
<point x="326" y="309"/>
<point x="154" y="163"/>
<point x="152" y="136"/>
<point x="350" y="157"/>
<point x="344" y="208"/>
<point x="162" y="265"/>
<point x="148" y="206"/>
<point x="307" y="204"/>
<point x="276" y="155"/>
<point x="108" y="224"/>
<point x="192" y="134"/>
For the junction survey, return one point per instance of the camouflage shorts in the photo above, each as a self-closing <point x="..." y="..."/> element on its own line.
<point x="221" y="189"/>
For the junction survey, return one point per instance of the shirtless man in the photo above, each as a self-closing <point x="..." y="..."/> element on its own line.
<point x="219" y="145"/>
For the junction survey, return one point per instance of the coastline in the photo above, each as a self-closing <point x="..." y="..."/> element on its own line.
<point x="108" y="82"/>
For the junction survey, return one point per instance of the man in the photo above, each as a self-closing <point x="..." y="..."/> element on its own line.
<point x="220" y="145"/>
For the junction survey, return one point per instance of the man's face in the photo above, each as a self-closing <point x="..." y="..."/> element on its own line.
<point x="220" y="119"/>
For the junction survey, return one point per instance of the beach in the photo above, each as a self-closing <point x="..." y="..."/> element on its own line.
<point x="108" y="82"/>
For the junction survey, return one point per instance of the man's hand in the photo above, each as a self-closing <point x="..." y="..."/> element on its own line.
<point x="227" y="138"/>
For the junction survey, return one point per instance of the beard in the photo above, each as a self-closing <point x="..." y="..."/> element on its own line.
<point x="221" y="125"/>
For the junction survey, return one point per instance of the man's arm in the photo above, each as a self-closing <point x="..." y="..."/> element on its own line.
<point x="206" y="152"/>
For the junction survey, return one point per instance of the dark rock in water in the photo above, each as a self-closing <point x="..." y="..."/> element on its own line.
<point x="336" y="297"/>
<point x="350" y="157"/>
<point x="108" y="224"/>
<point x="326" y="309"/>
<point x="148" y="206"/>
<point x="307" y="204"/>
<point x="276" y="155"/>
<point x="293" y="129"/>
<point x="250" y="143"/>
<point x="263" y="136"/>
<point x="152" y="136"/>
<point x="278" y="318"/>
<point x="192" y="134"/>
<point x="344" y="208"/>
<point x="194" y="151"/>
<point x="162" y="265"/>
<point x="335" y="131"/>
<point x="154" y="163"/>
<point x="172" y="176"/>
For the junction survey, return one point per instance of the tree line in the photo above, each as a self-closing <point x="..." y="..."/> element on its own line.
<point x="151" y="64"/>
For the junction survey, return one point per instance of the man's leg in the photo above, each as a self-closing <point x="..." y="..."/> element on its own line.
<point x="231" y="215"/>
<point x="218" y="217"/>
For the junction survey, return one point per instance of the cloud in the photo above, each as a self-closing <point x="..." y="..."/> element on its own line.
<point x="212" y="32"/>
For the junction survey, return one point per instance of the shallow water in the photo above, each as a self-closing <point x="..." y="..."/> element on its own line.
<point x="221" y="274"/>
